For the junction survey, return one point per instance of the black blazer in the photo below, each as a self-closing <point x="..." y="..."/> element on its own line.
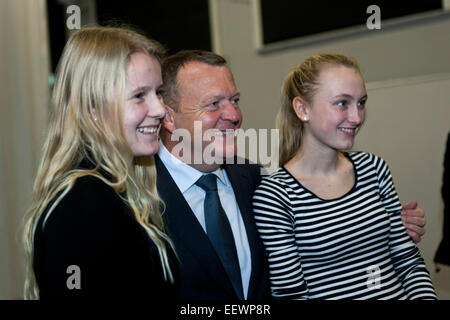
<point x="202" y="276"/>
<point x="94" y="229"/>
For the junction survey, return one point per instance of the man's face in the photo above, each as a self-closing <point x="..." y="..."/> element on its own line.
<point x="208" y="96"/>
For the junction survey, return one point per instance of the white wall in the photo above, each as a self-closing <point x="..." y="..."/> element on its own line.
<point x="408" y="122"/>
<point x="24" y="109"/>
<point x="407" y="69"/>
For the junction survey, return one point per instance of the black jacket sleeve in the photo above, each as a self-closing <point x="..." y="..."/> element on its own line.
<point x="443" y="251"/>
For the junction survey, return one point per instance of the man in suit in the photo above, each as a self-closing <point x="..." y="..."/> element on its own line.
<point x="201" y="95"/>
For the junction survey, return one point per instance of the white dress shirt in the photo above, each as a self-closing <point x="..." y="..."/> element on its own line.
<point x="185" y="177"/>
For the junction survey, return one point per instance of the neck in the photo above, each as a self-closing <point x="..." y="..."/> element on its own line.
<point x="315" y="160"/>
<point x="189" y="159"/>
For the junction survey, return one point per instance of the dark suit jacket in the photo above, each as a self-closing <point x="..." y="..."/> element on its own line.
<point x="94" y="229"/>
<point x="202" y="276"/>
<point x="443" y="251"/>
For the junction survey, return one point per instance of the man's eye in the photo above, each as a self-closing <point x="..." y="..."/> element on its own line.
<point x="235" y="101"/>
<point x="362" y="103"/>
<point x="214" y="104"/>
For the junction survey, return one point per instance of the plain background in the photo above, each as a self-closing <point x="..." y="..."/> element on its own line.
<point x="406" y="67"/>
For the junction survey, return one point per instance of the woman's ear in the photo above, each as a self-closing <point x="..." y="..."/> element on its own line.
<point x="168" y="121"/>
<point x="301" y="109"/>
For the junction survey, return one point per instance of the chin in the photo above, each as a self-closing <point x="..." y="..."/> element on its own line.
<point x="228" y="149"/>
<point x="218" y="151"/>
<point x="146" y="151"/>
<point x="346" y="147"/>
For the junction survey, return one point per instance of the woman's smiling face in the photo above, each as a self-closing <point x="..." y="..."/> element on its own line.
<point x="144" y="109"/>
<point x="337" y="110"/>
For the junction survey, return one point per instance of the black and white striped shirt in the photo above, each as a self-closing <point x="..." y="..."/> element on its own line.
<point x="352" y="247"/>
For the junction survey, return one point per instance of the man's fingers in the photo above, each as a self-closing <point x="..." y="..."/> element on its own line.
<point x="414" y="229"/>
<point x="418" y="221"/>
<point x="411" y="205"/>
<point x="414" y="236"/>
<point x="413" y="213"/>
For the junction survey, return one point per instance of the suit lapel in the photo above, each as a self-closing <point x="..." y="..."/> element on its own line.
<point x="243" y="189"/>
<point x="184" y="228"/>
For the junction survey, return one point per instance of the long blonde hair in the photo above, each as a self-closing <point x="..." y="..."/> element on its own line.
<point x="302" y="81"/>
<point x="86" y="123"/>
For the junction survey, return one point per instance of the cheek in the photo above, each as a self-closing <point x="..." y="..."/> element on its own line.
<point x="332" y="120"/>
<point x="132" y="117"/>
<point x="239" y="116"/>
<point x="208" y="119"/>
<point x="362" y="116"/>
<point x="184" y="121"/>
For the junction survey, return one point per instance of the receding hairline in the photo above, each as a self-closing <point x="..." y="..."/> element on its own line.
<point x="173" y="64"/>
<point x="199" y="65"/>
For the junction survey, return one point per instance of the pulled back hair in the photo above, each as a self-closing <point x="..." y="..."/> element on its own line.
<point x="172" y="65"/>
<point x="302" y="81"/>
<point x="86" y="123"/>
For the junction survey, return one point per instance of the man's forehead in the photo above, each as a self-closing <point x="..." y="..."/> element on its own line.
<point x="196" y="69"/>
<point x="199" y="76"/>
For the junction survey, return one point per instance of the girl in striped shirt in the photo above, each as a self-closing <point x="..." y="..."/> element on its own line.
<point x="330" y="220"/>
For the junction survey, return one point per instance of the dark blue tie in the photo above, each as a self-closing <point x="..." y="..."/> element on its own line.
<point x="219" y="231"/>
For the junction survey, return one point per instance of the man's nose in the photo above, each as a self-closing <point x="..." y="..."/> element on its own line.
<point x="231" y="113"/>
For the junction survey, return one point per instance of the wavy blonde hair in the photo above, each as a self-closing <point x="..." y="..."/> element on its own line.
<point x="86" y="123"/>
<point x="302" y="81"/>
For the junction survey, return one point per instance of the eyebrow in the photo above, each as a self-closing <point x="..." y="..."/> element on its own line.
<point x="345" y="95"/>
<point x="220" y="97"/>
<point x="143" y="88"/>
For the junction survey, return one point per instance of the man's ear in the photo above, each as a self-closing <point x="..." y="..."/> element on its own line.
<point x="301" y="109"/>
<point x="169" y="122"/>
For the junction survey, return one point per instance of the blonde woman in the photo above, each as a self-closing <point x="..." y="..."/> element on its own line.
<point x="330" y="220"/>
<point x="95" y="228"/>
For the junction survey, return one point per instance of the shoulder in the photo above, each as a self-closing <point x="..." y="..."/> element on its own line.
<point x="89" y="202"/>
<point x="273" y="193"/>
<point x="279" y="182"/>
<point x="91" y="191"/>
<point x="244" y="167"/>
<point x="279" y="177"/>
<point x="90" y="186"/>
<point x="365" y="159"/>
<point x="369" y="163"/>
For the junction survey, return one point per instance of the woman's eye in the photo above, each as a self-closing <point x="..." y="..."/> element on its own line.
<point x="342" y="103"/>
<point x="139" y="95"/>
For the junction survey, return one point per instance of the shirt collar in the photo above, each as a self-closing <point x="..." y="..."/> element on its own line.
<point x="183" y="175"/>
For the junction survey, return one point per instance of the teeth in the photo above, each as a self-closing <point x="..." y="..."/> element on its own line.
<point x="347" y="130"/>
<point x="147" y="130"/>
<point x="224" y="133"/>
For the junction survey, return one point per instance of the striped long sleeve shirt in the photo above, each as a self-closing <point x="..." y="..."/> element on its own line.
<point x="352" y="247"/>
